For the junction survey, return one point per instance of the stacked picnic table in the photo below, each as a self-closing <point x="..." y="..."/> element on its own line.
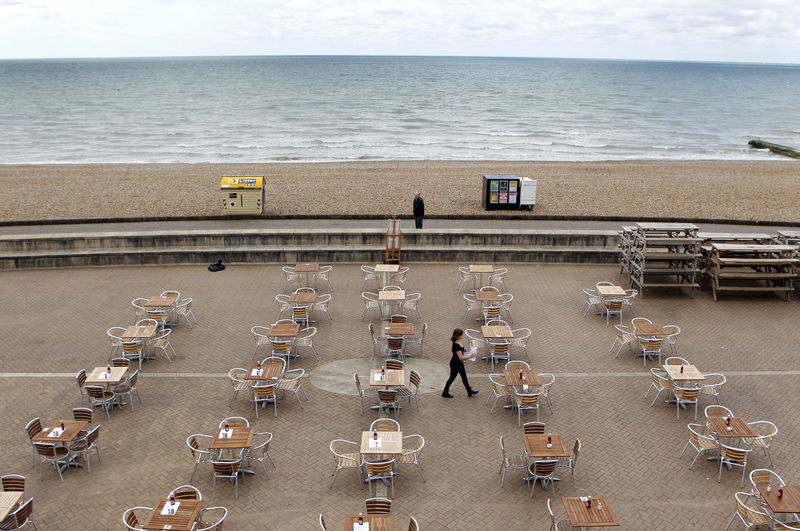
<point x="752" y="267"/>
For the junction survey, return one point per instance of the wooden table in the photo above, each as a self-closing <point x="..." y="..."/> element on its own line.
<point x="391" y="296"/>
<point x="391" y="443"/>
<point x="651" y="329"/>
<point x="536" y="445"/>
<point x="101" y="376"/>
<point x="8" y="502"/>
<point x="497" y="332"/>
<point x="242" y="437"/>
<point x="398" y="329"/>
<point x="183" y="519"/>
<point x="303" y="297"/>
<point x="788" y="503"/>
<point x="139" y="332"/>
<point x="377" y="522"/>
<point x="479" y="270"/>
<point x="269" y="371"/>
<point x="488" y="295"/>
<point x="611" y="291"/>
<point x="690" y="372"/>
<point x="161" y="302"/>
<point x="308" y="268"/>
<point x="71" y="429"/>
<point x="580" y="516"/>
<point x="513" y="379"/>
<point x="384" y="270"/>
<point x="394" y="377"/>
<point x="739" y="427"/>
<point x="284" y="330"/>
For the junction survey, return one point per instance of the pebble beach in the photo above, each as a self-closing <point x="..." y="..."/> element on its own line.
<point x="742" y="190"/>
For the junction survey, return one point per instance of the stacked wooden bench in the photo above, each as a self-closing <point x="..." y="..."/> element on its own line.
<point x="752" y="267"/>
<point x="661" y="255"/>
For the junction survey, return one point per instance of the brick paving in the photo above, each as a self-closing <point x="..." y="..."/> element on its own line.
<point x="54" y="324"/>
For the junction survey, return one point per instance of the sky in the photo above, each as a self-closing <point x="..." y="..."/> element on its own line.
<point x="704" y="30"/>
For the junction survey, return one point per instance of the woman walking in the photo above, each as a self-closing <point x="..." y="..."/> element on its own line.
<point x="457" y="365"/>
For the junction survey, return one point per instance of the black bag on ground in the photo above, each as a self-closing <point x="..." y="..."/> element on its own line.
<point x="216" y="266"/>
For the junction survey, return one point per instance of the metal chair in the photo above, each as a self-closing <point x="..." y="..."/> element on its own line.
<point x="115" y="335"/>
<point x="405" y="392"/>
<point x="131" y="521"/>
<point x="526" y="402"/>
<point x="100" y="397"/>
<point x="412" y="446"/>
<point x="371" y="302"/>
<point x="505" y="305"/>
<point x="712" y="385"/>
<point x="20" y="517"/>
<point x="672" y="338"/>
<point x="13" y="483"/>
<point x="162" y="342"/>
<point x="625" y="336"/>
<point x="127" y="388"/>
<point x="767" y="432"/>
<point x="84" y="444"/>
<point x="472" y="305"/>
<point x="498" y="352"/>
<point x="186" y="492"/>
<point x="307" y="341"/>
<point x="659" y="381"/>
<point x="369" y="392"/>
<point x="292" y="382"/>
<point x="378" y="505"/>
<point x="685" y="396"/>
<point x="324" y="273"/>
<point x="33" y="427"/>
<point x="80" y="377"/>
<point x="264" y="394"/>
<point x="213" y="523"/>
<point x="499" y="390"/>
<point x="388" y="399"/>
<point x="393" y="365"/>
<point x="533" y="427"/>
<point x="378" y="342"/>
<point x="498" y="277"/>
<point x="234" y="422"/>
<point x="514" y="461"/>
<point x="139" y="311"/>
<point x="543" y="470"/>
<point x="199" y="455"/>
<point x="749" y="511"/>
<point x="347" y="455"/>
<point x="384" y="424"/>
<point x="412" y="303"/>
<point x="418" y="340"/>
<point x="290" y="275"/>
<point x="228" y="469"/>
<point x="321" y="304"/>
<point x="465" y="276"/>
<point x="378" y="471"/>
<point x="369" y="275"/>
<point x="699" y="442"/>
<point x="730" y="456"/>
<point x="50" y="453"/>
<point x="261" y="451"/>
<point x="518" y="365"/>
<point x="764" y="477"/>
<point x="395" y="346"/>
<point x="184" y="309"/>
<point x="592" y="300"/>
<point x="521" y="337"/>
<point x="236" y="376"/>
<point x="571" y="461"/>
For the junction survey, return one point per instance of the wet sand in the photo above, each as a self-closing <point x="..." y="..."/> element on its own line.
<point x="747" y="190"/>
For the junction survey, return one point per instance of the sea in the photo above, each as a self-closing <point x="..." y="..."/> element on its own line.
<point x="262" y="109"/>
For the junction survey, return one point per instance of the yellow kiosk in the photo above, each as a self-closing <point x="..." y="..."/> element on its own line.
<point x="242" y="194"/>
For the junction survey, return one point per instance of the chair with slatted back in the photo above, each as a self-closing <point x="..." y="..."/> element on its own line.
<point x="322" y="304"/>
<point x="612" y="307"/>
<point x="282" y="348"/>
<point x="394" y="365"/>
<point x="120" y="362"/>
<point x="55" y="455"/>
<point x="401" y="277"/>
<point x="347" y="455"/>
<point x="301" y="313"/>
<point x="186" y="492"/>
<point x="100" y="397"/>
<point x="227" y="469"/>
<point x="762" y="477"/>
<point x="412" y="447"/>
<point x="259" y="451"/>
<point x="413" y="525"/>
<point x="398" y="318"/>
<point x="200" y="455"/>
<point x="766" y="431"/>
<point x="134" y="350"/>
<point x="749" y="511"/>
<point x="675" y="360"/>
<point x="292" y="382"/>
<point x="140" y="312"/>
<point x="84" y="444"/>
<point x="498" y="352"/>
<point x="513" y="461"/>
<point x="388" y="399"/>
<point x="20" y="517"/>
<point x="498" y="277"/>
<point x="211" y="519"/>
<point x="260" y="336"/>
<point x="85" y="414"/>
<point x="290" y="275"/>
<point x="543" y="470"/>
<point x="521" y="338"/>
<point x="184" y="309"/>
<point x="236" y="376"/>
<point x="264" y="394"/>
<point x="162" y="343"/>
<point x="160" y="316"/>
<point x="80" y="377"/>
<point x="505" y="305"/>
<point x="322" y="525"/>
<point x="571" y="461"/>
<point x="490" y="312"/>
<point x="395" y="346"/>
<point x="685" y="396"/>
<point x="378" y="342"/>
<point x="406" y="391"/>
<point x="234" y="422"/>
<point x="591" y="300"/>
<point x="518" y="365"/>
<point x="659" y="381"/>
<point x="307" y="340"/>
<point x="33" y="427"/>
<point x="378" y="471"/>
<point x="547" y="380"/>
<point x="700" y="443"/>
<point x="499" y="390"/>
<point x="371" y="302"/>
<point x="712" y="385"/>
<point x="115" y="335"/>
<point x="131" y="521"/>
<point x="378" y="505"/>
<point x="384" y="424"/>
<point x="625" y="336"/>
<point x="475" y="339"/>
<point x="472" y="305"/>
<point x="651" y="346"/>
<point x="412" y="303"/>
<point x="731" y="456"/>
<point x="369" y="392"/>
<point x="465" y="277"/>
<point x="526" y="402"/>
<point x="127" y="389"/>
<point x="564" y="525"/>
<point x="14" y="483"/>
<point x="672" y="338"/>
<point x="533" y="427"/>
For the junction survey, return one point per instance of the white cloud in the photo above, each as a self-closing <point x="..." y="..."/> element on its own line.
<point x="734" y="30"/>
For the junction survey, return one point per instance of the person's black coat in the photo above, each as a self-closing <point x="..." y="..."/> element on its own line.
<point x="419" y="207"/>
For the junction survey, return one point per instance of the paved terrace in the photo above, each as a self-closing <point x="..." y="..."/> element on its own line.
<point x="55" y="321"/>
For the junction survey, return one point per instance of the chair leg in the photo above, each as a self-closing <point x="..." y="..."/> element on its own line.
<point x="693" y="460"/>
<point x="193" y="471"/>
<point x="265" y="469"/>
<point x="730" y="521"/>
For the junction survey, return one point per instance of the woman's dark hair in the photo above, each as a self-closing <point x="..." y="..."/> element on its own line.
<point x="456" y="334"/>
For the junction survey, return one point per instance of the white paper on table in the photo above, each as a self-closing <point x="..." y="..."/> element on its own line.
<point x="472" y="351"/>
<point x="257" y="372"/>
<point x="361" y="527"/>
<point x="170" y="509"/>
<point x="373" y="443"/>
<point x="226" y="434"/>
<point x="379" y="377"/>
<point x="56" y="432"/>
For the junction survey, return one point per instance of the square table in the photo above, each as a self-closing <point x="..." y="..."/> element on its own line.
<point x="161" y="302"/>
<point x="536" y="445"/>
<point x="390" y="296"/>
<point x="384" y="270"/>
<point x="788" y="503"/>
<point x="308" y="268"/>
<point x="242" y="437"/>
<point x="479" y="270"/>
<point x="488" y="295"/>
<point x="398" y="329"/>
<point x="139" y="332"/>
<point x="71" y="429"/>
<point x="284" y="330"/>
<point x="739" y="427"/>
<point x="377" y="522"/>
<point x="304" y="297"/>
<point x="650" y="329"/>
<point x="394" y="377"/>
<point x="101" y="376"/>
<point x="611" y="291"/>
<point x="513" y="379"/>
<point x="690" y="372"/>
<point x="580" y="516"/>
<point x="269" y="371"/>
<point x="8" y="501"/>
<point x="183" y="519"/>
<point x="391" y="443"/>
<point x="497" y="332"/>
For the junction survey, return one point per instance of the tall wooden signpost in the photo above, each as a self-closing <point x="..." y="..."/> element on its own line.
<point x="393" y="238"/>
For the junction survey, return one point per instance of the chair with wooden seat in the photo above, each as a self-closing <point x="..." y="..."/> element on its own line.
<point x="371" y="302"/>
<point x="766" y="431"/>
<point x="368" y="392"/>
<point x="33" y="427"/>
<point x="749" y="511"/>
<point x="498" y="277"/>
<point x="465" y="277"/>
<point x="132" y="521"/>
<point x="82" y="445"/>
<point x="651" y="346"/>
<point x="498" y="352"/>
<point x="672" y="338"/>
<point x="526" y="402"/>
<point x="13" y="483"/>
<point x="395" y="347"/>
<point x="186" y="492"/>
<point x="322" y="525"/>
<point x="139" y="311"/>
<point x="98" y="396"/>
<point x="543" y="470"/>
<point x="370" y="275"/>
<point x="413" y="525"/>
<point x="301" y="313"/>
<point x="211" y="518"/>
<point x="676" y="360"/>
<point x="400" y="277"/>
<point x="398" y="318"/>
<point x="612" y="307"/>
<point x="412" y="447"/>
<point x="184" y="309"/>
<point x="571" y="461"/>
<point x="521" y="338"/>
<point x="712" y="385"/>
<point x="490" y="312"/>
<point x="761" y="477"/>
<point x="227" y="469"/>
<point x="120" y="362"/>
<point x="160" y="316"/>
<point x="126" y="389"/>
<point x="627" y="300"/>
<point x="290" y="275"/>
<point x="282" y="348"/>
<point x="730" y="457"/>
<point x="505" y="305"/>
<point x="379" y="470"/>
<point x="564" y="525"/>
<point x="378" y="505"/>
<point x="115" y="335"/>
<point x="20" y="517"/>
<point x="347" y="455"/>
<point x="685" y="396"/>
<point x="260" y="336"/>
<point x="322" y="304"/>
<point x="591" y="300"/>
<point x="699" y="442"/>
<point x="393" y="365"/>
<point x="199" y="455"/>
<point x="307" y="340"/>
<point x="388" y="399"/>
<point x="418" y="340"/>
<point x="472" y="305"/>
<point x="384" y="424"/>
<point x="499" y="390"/>
<point x="80" y="377"/>
<point x="533" y="427"/>
<point x="414" y="380"/>
<point x="292" y="382"/>
<point x="547" y="380"/>
<point x="475" y="339"/>
<point x="324" y="273"/>
<point x="378" y="341"/>
<point x="234" y="422"/>
<point x="55" y="455"/>
<point x="266" y="393"/>
<point x="260" y="450"/>
<point x="134" y="350"/>
<point x="625" y="336"/>
<point x="518" y="365"/>
<point x="236" y="376"/>
<point x="412" y="303"/>
<point x="162" y="343"/>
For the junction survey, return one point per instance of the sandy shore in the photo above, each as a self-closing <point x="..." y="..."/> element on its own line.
<point x="687" y="189"/>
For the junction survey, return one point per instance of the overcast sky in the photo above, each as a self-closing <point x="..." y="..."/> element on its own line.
<point x="703" y="30"/>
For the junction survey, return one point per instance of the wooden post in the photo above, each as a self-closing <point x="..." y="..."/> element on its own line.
<point x="393" y="238"/>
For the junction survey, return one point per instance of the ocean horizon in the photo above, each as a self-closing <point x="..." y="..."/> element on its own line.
<point x="261" y="109"/>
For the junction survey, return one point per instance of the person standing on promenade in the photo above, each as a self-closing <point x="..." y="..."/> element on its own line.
<point x="457" y="364"/>
<point x="419" y="210"/>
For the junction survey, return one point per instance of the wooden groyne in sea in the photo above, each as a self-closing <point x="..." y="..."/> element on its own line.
<point x="775" y="148"/>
